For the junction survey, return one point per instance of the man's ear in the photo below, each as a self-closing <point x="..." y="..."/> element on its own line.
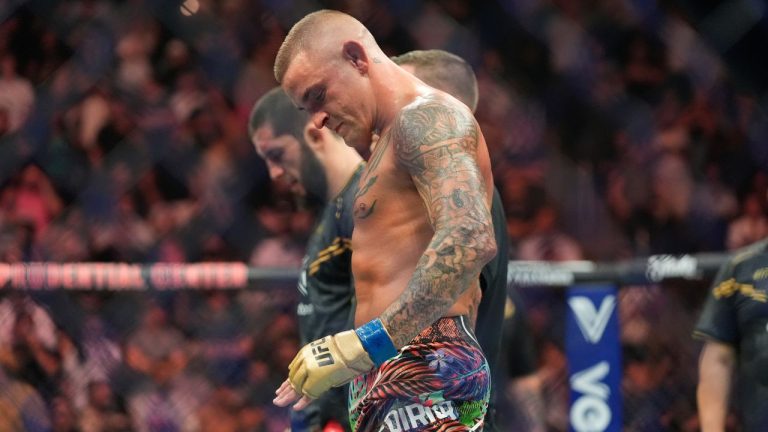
<point x="313" y="137"/>
<point x="355" y="54"/>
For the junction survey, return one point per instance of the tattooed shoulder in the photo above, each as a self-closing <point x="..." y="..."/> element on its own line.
<point x="428" y="124"/>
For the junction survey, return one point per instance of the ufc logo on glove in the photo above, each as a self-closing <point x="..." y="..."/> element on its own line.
<point x="322" y="355"/>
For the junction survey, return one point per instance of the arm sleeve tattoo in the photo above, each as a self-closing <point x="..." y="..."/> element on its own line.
<point x="437" y="145"/>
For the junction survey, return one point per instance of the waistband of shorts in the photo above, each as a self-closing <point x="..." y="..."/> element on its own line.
<point x="446" y="329"/>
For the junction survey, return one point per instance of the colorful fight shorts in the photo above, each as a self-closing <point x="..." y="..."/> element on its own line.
<point x="438" y="382"/>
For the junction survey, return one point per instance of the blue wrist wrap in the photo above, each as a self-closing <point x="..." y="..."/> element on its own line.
<point x="376" y="341"/>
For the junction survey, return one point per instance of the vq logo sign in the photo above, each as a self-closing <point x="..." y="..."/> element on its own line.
<point x="593" y="356"/>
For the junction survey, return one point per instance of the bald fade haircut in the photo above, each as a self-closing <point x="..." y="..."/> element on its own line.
<point x="308" y="30"/>
<point x="276" y="110"/>
<point x="443" y="71"/>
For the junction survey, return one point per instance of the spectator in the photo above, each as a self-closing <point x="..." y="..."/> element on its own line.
<point x="63" y="415"/>
<point x="258" y="394"/>
<point x="647" y="392"/>
<point x="156" y="349"/>
<point x="547" y="242"/>
<point x="21" y="407"/>
<point x="280" y="248"/>
<point x="224" y="345"/>
<point x="751" y="226"/>
<point x="133" y="50"/>
<point x="97" y="355"/>
<point x="221" y="412"/>
<point x="126" y="235"/>
<point x="522" y="201"/>
<point x="165" y="400"/>
<point x="103" y="413"/>
<point x="34" y="200"/>
<point x="28" y="343"/>
<point x="17" y="96"/>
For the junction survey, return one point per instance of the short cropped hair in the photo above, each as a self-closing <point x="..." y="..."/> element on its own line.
<point x="299" y="36"/>
<point x="276" y="110"/>
<point x="443" y="71"/>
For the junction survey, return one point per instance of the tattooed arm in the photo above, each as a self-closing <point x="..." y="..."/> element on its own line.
<point x="437" y="145"/>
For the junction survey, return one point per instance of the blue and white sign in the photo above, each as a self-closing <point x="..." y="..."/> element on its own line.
<point x="594" y="359"/>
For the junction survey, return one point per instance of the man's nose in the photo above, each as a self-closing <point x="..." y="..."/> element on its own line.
<point x="275" y="171"/>
<point x="320" y="119"/>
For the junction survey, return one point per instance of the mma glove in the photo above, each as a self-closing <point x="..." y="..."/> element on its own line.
<point x="335" y="360"/>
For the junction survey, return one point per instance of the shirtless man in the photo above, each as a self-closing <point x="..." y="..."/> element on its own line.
<point x="453" y="75"/>
<point x="296" y="152"/>
<point x="422" y="233"/>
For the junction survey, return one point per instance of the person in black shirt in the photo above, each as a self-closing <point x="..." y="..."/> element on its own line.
<point x="734" y="326"/>
<point x="452" y="74"/>
<point x="317" y="164"/>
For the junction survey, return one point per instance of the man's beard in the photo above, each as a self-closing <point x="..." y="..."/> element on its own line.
<point x="313" y="178"/>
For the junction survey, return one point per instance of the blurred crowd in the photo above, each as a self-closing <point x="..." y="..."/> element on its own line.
<point x="116" y="362"/>
<point x="615" y="131"/>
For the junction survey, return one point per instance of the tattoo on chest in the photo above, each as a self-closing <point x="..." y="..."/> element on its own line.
<point x="364" y="189"/>
<point x="362" y="210"/>
<point x="373" y="165"/>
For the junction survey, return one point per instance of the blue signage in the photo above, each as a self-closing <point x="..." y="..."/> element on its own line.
<point x="594" y="358"/>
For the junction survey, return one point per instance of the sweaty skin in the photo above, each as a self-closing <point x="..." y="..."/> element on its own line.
<point x="431" y="168"/>
<point x="423" y="229"/>
<point x="413" y="176"/>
